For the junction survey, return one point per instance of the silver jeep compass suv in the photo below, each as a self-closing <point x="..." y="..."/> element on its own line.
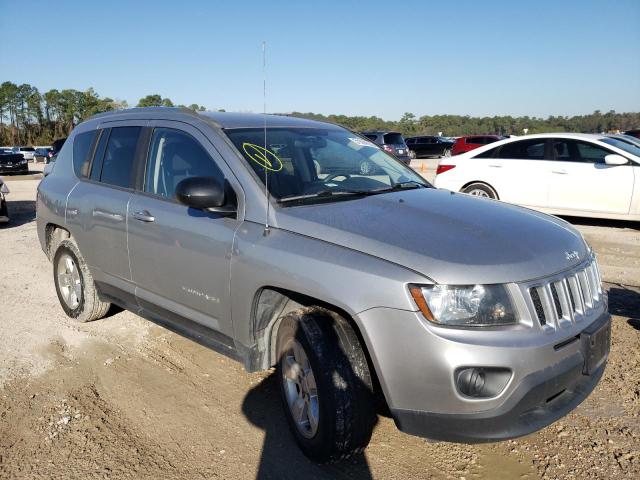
<point x="472" y="319"/>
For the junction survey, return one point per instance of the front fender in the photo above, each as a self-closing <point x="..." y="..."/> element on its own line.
<point x="350" y="280"/>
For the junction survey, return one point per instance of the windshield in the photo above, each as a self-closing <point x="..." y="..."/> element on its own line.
<point x="312" y="162"/>
<point x="627" y="146"/>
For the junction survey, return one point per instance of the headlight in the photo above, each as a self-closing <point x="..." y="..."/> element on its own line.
<point x="465" y="305"/>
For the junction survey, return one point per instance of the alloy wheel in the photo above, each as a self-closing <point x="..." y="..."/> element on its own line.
<point x="69" y="281"/>
<point x="300" y="389"/>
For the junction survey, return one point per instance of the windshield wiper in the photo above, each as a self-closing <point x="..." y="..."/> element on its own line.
<point x="351" y="193"/>
<point x="399" y="186"/>
<point x="323" y="194"/>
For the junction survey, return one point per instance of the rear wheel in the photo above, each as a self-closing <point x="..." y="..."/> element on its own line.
<point x="325" y="385"/>
<point x="74" y="284"/>
<point x="480" y="190"/>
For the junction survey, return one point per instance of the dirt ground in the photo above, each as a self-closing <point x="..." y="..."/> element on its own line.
<point x="123" y="398"/>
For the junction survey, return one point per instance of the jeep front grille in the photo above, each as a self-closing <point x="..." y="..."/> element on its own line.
<point x="562" y="301"/>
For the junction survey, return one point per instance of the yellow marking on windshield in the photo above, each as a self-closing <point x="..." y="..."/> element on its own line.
<point x="262" y="156"/>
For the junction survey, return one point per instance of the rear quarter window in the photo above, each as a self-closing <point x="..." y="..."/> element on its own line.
<point x="82" y="149"/>
<point x="393" y="139"/>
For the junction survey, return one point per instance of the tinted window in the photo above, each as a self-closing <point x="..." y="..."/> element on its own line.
<point x="411" y="141"/>
<point x="27" y="149"/>
<point x="488" y="154"/>
<point x="173" y="156"/>
<point x="592" y="153"/>
<point x="82" y="149"/>
<point x="372" y="137"/>
<point x="475" y="141"/>
<point x="565" y="150"/>
<point x="393" y="139"/>
<point x="525" y="150"/>
<point x="117" y="166"/>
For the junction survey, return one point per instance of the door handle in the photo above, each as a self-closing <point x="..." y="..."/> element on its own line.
<point x="559" y="172"/>
<point x="108" y="215"/>
<point x="495" y="165"/>
<point x="144" y="216"/>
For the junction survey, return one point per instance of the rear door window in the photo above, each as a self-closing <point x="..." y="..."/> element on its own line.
<point x="117" y="165"/>
<point x="488" y="154"/>
<point x="82" y="150"/>
<point x="373" y="138"/>
<point x="524" y="150"/>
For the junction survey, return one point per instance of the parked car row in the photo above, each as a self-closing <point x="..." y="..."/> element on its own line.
<point x="428" y="145"/>
<point x="562" y="174"/>
<point x="37" y="154"/>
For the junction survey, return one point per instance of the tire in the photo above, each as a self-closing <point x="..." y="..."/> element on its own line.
<point x="76" y="290"/>
<point x="344" y="406"/>
<point x="412" y="155"/>
<point x="480" y="190"/>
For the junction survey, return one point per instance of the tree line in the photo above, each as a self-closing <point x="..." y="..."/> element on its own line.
<point x="456" y="125"/>
<point x="28" y="117"/>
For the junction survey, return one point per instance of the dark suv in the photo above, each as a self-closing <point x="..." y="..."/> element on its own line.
<point x="429" y="146"/>
<point x="390" y="142"/>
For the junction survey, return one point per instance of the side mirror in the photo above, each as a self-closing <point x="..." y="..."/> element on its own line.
<point x="615" y="159"/>
<point x="204" y="193"/>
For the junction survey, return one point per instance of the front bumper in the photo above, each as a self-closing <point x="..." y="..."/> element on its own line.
<point x="15" y="168"/>
<point x="417" y="377"/>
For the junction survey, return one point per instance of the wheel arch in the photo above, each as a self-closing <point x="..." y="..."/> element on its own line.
<point x="54" y="234"/>
<point x="270" y="305"/>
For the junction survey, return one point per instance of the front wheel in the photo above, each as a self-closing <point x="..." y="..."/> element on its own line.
<point x="480" y="190"/>
<point x="325" y="385"/>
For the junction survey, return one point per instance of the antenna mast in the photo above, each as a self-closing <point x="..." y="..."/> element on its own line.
<point x="264" y="113"/>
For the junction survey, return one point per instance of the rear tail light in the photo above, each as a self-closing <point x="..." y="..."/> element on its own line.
<point x="388" y="148"/>
<point x="444" y="168"/>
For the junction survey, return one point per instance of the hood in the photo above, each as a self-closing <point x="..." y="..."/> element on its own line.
<point x="449" y="237"/>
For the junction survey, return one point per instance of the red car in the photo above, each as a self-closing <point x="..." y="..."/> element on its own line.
<point x="469" y="142"/>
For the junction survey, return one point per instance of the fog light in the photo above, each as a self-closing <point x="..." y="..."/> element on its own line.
<point x="482" y="382"/>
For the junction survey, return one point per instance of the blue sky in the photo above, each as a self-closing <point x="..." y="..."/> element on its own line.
<point x="534" y="58"/>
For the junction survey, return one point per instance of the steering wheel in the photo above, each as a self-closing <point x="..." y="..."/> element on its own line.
<point x="335" y="175"/>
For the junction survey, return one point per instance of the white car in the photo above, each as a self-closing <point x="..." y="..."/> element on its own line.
<point x="27" y="152"/>
<point x="559" y="173"/>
